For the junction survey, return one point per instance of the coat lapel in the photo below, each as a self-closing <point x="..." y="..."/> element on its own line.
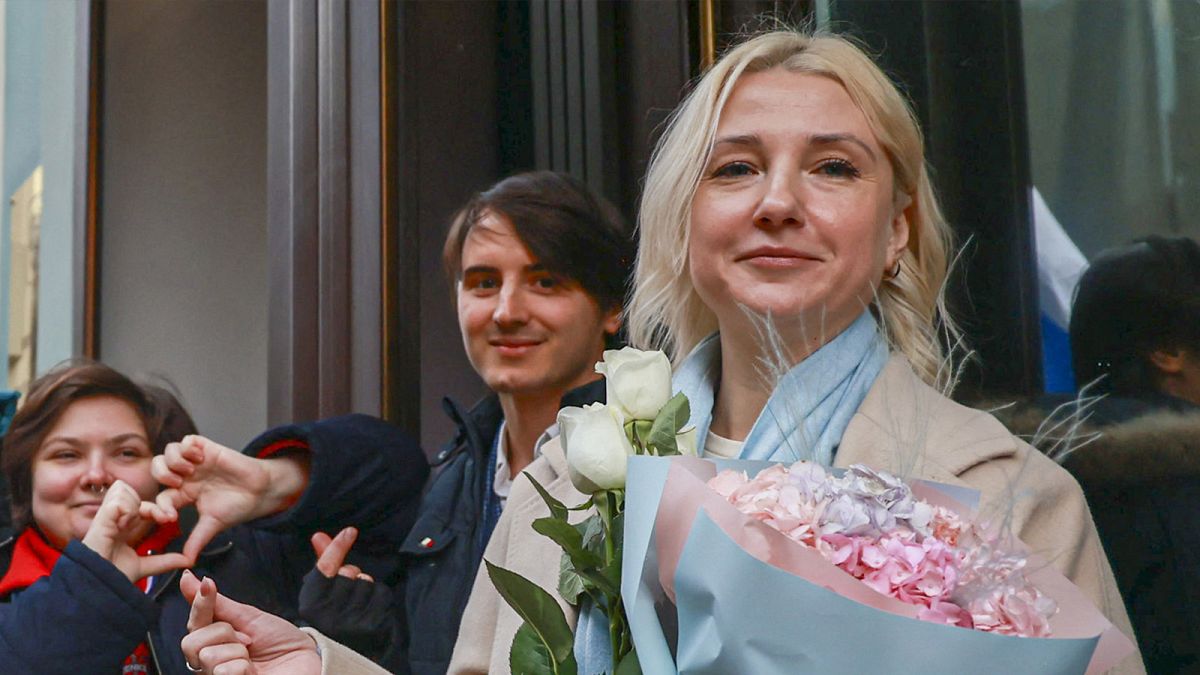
<point x="551" y="475"/>
<point x="904" y="426"/>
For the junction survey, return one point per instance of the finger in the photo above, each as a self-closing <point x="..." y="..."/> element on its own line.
<point x="160" y="472"/>
<point x="133" y="527"/>
<point x="179" y="463"/>
<point x="349" y="571"/>
<point x="363" y="576"/>
<point x="192" y="448"/>
<point x="189" y="585"/>
<point x="239" y="667"/>
<point x="124" y="500"/>
<point x="237" y="615"/>
<point x="335" y="553"/>
<point x="203" y="606"/>
<point x="320" y="542"/>
<point x="212" y="656"/>
<point x="206" y="528"/>
<point x="214" y="634"/>
<point x="164" y="562"/>
<point x="119" y="490"/>
<point x="150" y="511"/>
<point x="165" y="501"/>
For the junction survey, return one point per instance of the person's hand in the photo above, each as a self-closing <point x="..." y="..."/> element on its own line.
<point x="345" y="603"/>
<point x="118" y="526"/>
<point x="227" y="487"/>
<point x="331" y="555"/>
<point x="229" y="638"/>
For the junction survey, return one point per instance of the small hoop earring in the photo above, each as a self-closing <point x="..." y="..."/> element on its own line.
<point x="894" y="272"/>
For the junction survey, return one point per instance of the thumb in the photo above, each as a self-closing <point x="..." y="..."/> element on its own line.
<point x="189" y="585"/>
<point x="320" y="542"/>
<point x="201" y="613"/>
<point x="206" y="528"/>
<point x="164" y="562"/>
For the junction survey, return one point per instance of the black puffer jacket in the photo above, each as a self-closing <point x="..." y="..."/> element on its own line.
<point x="85" y="617"/>
<point x="1141" y="475"/>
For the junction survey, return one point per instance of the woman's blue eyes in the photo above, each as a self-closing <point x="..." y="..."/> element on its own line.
<point x="834" y="168"/>
<point x="733" y="170"/>
<point x="838" y="168"/>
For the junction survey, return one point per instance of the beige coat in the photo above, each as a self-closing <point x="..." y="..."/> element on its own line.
<point x="961" y="446"/>
<point x="338" y="659"/>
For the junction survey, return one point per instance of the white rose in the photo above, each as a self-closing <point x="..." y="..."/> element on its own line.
<point x="685" y="441"/>
<point x="637" y="383"/>
<point x="594" y="440"/>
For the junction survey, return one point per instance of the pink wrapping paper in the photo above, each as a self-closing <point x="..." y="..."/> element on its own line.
<point x="686" y="492"/>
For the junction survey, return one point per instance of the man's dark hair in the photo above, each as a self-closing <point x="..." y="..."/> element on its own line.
<point x="1132" y="301"/>
<point x="567" y="229"/>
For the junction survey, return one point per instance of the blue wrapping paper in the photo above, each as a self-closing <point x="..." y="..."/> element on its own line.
<point x="734" y="613"/>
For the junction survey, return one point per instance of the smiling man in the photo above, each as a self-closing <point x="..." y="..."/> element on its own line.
<point x="538" y="266"/>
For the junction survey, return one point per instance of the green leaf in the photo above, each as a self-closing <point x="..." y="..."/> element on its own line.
<point x="529" y="655"/>
<point x="671" y="419"/>
<point x="640" y="434"/>
<point x="618" y="528"/>
<point x="570" y="584"/>
<point x="557" y="510"/>
<point x="581" y="507"/>
<point x="569" y="538"/>
<point x="591" y="529"/>
<point x="602" y="580"/>
<point x="629" y="664"/>
<point x="540" y="612"/>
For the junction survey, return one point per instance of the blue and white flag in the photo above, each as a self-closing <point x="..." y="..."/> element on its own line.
<point x="1060" y="264"/>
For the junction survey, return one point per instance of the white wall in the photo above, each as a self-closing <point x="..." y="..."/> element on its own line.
<point x="183" y="270"/>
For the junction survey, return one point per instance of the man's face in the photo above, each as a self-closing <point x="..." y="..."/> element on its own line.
<point x="527" y="331"/>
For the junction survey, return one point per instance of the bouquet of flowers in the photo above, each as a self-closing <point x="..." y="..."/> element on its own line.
<point x="736" y="566"/>
<point x="870" y="525"/>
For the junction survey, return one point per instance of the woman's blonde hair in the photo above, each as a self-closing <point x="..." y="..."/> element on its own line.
<point x="665" y="312"/>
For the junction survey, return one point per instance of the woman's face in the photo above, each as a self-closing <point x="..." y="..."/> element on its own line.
<point x="795" y="212"/>
<point x="96" y="441"/>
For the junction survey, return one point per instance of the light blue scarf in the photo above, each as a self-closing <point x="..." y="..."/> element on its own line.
<point x="812" y="403"/>
<point x="804" y="418"/>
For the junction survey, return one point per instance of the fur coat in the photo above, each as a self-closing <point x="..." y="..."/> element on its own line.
<point x="1142" y="482"/>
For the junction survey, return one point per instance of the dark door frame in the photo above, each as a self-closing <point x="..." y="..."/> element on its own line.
<point x="331" y="213"/>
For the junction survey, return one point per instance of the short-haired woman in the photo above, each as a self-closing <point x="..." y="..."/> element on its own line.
<point x="89" y="583"/>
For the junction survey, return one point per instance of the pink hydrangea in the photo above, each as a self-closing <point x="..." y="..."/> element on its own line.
<point x="868" y="524"/>
<point x="897" y="565"/>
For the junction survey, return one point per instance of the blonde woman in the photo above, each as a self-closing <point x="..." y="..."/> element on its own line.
<point x="788" y="220"/>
